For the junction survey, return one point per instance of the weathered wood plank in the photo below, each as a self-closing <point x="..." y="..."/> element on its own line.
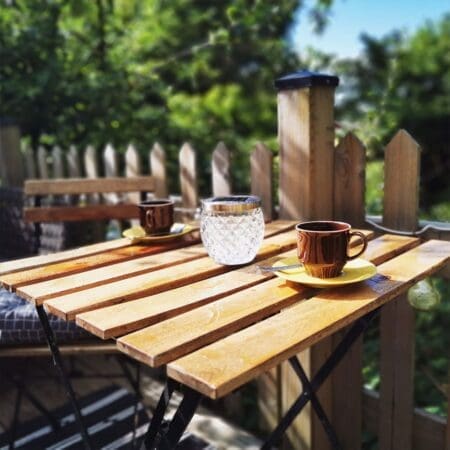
<point x="261" y="170"/>
<point x="118" y="319"/>
<point x="50" y="270"/>
<point x="401" y="203"/>
<point x="58" y="170"/>
<point x="133" y="168"/>
<point x="73" y="163"/>
<point x="158" y="170"/>
<point x="152" y="283"/>
<point x="26" y="264"/>
<point x="11" y="166"/>
<point x="220" y="171"/>
<point x="170" y="339"/>
<point x="30" y="164"/>
<point x="273" y="340"/>
<point x="87" y="185"/>
<point x="349" y="206"/>
<point x="42" y="163"/>
<point x="188" y="177"/>
<point x="80" y="213"/>
<point x="428" y="429"/>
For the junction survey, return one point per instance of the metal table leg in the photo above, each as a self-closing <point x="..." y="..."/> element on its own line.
<point x="165" y="436"/>
<point x="309" y="388"/>
<point x="57" y="361"/>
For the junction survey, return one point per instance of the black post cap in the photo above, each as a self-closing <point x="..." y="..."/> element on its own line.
<point x="305" y="78"/>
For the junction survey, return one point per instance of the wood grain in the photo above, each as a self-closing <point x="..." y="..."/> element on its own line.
<point x="220" y="170"/>
<point x="151" y="283"/>
<point x="167" y="340"/>
<point x="397" y="323"/>
<point x="60" y="186"/>
<point x="221" y="367"/>
<point x="69" y="267"/>
<point x="261" y="170"/>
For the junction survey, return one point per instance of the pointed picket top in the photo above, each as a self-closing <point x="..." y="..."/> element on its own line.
<point x="401" y="182"/>
<point x="349" y="180"/>
<point x="220" y="170"/>
<point x="132" y="162"/>
<point x="58" y="163"/>
<point x="30" y="165"/>
<point x="110" y="159"/>
<point x="42" y="162"/>
<point x="188" y="176"/>
<point x="261" y="168"/>
<point x="157" y="163"/>
<point x="73" y="162"/>
<point x="90" y="162"/>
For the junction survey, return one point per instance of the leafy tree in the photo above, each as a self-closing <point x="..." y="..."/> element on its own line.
<point x="404" y="82"/>
<point x="91" y="72"/>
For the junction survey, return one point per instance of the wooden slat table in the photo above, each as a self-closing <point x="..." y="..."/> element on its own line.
<point x="215" y="327"/>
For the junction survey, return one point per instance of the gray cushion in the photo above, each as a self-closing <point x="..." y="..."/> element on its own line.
<point x="20" y="324"/>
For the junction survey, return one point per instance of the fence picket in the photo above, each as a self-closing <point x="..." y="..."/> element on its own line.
<point x="349" y="180"/>
<point x="42" y="162"/>
<point x="133" y="168"/>
<point x="220" y="170"/>
<point x="58" y="162"/>
<point x="73" y="162"/>
<point x="157" y="161"/>
<point x="30" y="164"/>
<point x="261" y="169"/>
<point x="397" y="317"/>
<point x="188" y="177"/>
<point x="111" y="164"/>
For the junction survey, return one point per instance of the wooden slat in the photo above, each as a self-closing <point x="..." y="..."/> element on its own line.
<point x="110" y="273"/>
<point x="42" y="163"/>
<point x="219" y="368"/>
<point x="83" y="263"/>
<point x="349" y="206"/>
<point x="152" y="283"/>
<point x="119" y="319"/>
<point x="133" y="168"/>
<point x="261" y="169"/>
<point x="170" y="339"/>
<point x="79" y="213"/>
<point x="30" y="164"/>
<point x="428" y="429"/>
<point x="220" y="170"/>
<point x="87" y="185"/>
<point x="73" y="163"/>
<point x="397" y="323"/>
<point x="28" y="263"/>
<point x="188" y="177"/>
<point x="57" y="162"/>
<point x="158" y="170"/>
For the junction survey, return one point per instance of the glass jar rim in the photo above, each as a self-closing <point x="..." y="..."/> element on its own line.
<point x="231" y="203"/>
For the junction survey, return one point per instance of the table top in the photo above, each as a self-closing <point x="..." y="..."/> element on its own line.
<point x="215" y="327"/>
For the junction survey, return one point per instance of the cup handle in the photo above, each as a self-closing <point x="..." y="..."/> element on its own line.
<point x="364" y="239"/>
<point x="149" y="219"/>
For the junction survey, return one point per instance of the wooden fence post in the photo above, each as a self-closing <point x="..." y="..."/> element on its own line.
<point x="401" y="206"/>
<point x="133" y="168"/>
<point x="220" y="171"/>
<point x="261" y="169"/>
<point x="11" y="165"/>
<point x="349" y="188"/>
<point x="306" y="139"/>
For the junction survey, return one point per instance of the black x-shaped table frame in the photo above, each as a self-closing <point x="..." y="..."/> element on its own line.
<point x="164" y="435"/>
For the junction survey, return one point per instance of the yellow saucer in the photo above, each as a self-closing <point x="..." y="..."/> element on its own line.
<point x="354" y="271"/>
<point x="137" y="234"/>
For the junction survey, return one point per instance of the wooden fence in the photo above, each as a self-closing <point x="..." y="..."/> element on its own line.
<point x="318" y="180"/>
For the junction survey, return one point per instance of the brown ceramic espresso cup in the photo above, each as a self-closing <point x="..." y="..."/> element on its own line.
<point x="156" y="216"/>
<point x="323" y="247"/>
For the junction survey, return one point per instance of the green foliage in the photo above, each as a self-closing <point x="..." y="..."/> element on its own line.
<point x="90" y="72"/>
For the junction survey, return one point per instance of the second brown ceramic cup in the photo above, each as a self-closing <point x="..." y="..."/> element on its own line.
<point x="323" y="247"/>
<point x="156" y="216"/>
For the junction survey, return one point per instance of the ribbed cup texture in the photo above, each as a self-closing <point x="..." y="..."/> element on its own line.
<point x="232" y="239"/>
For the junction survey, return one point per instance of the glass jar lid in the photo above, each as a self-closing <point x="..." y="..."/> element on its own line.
<point x="231" y="204"/>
